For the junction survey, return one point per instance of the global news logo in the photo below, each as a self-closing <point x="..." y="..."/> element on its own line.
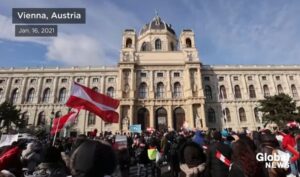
<point x="277" y="160"/>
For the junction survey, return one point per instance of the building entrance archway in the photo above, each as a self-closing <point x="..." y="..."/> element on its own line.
<point x="161" y="119"/>
<point x="178" y="118"/>
<point x="143" y="118"/>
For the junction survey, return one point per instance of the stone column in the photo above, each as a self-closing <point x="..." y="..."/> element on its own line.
<point x="170" y="115"/>
<point x="169" y="85"/>
<point x="151" y="85"/>
<point x="131" y="114"/>
<point x="202" y="116"/>
<point x="187" y="85"/>
<point x="54" y="90"/>
<point x="244" y="89"/>
<point x="190" y="118"/>
<point x="151" y="116"/>
<point x="23" y="91"/>
<point x="39" y="93"/>
<point x="8" y="88"/>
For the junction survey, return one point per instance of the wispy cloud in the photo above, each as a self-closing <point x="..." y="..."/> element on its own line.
<point x="95" y="43"/>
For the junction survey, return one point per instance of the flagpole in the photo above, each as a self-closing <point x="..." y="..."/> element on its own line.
<point x="56" y="132"/>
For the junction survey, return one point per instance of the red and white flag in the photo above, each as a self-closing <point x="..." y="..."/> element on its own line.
<point x="221" y="157"/>
<point x="99" y="104"/>
<point x="61" y="122"/>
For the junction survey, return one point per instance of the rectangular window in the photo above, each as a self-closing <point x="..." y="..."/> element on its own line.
<point x="48" y="81"/>
<point x="64" y="80"/>
<point x="277" y="78"/>
<point x="291" y="78"/>
<point x="143" y="74"/>
<point x="236" y="78"/>
<point x="160" y="74"/>
<point x="206" y="78"/>
<point x="111" y="79"/>
<point x="221" y="78"/>
<point x="264" y="78"/>
<point x="249" y="78"/>
<point x="95" y="80"/>
<point x="176" y="74"/>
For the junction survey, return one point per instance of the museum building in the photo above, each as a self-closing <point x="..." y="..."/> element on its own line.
<point x="160" y="82"/>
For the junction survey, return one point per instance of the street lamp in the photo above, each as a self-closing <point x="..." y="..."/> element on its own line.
<point x="51" y="119"/>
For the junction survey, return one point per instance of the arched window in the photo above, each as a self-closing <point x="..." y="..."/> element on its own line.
<point x="95" y="89"/>
<point x="266" y="90"/>
<point x="172" y="47"/>
<point x="41" y="119"/>
<point x="177" y="90"/>
<point x="143" y="90"/>
<point x="58" y="114"/>
<point x="237" y="91"/>
<point x="188" y="42"/>
<point x="211" y="115"/>
<point x="294" y="91"/>
<point x="252" y="91"/>
<point x="157" y="44"/>
<point x="1" y="94"/>
<point x="91" y="119"/>
<point x="111" y="92"/>
<point x="226" y="114"/>
<point x="46" y="95"/>
<point x="144" y="46"/>
<point x="242" y="115"/>
<point x="62" y="95"/>
<point x="128" y="43"/>
<point x="160" y="89"/>
<point x="223" y="94"/>
<point x="279" y="89"/>
<point x="30" y="95"/>
<point x="256" y="115"/>
<point x="208" y="93"/>
<point x="14" y="96"/>
<point x="25" y="117"/>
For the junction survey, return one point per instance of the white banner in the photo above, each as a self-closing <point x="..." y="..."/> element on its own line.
<point x="7" y="140"/>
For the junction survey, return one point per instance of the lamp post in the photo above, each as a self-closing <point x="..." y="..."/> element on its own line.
<point x="51" y="119"/>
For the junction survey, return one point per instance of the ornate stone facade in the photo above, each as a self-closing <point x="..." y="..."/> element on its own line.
<point x="161" y="83"/>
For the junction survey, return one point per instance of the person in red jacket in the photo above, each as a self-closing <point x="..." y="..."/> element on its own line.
<point x="288" y="139"/>
<point x="11" y="161"/>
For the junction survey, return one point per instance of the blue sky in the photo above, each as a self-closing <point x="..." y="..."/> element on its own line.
<point x="227" y="31"/>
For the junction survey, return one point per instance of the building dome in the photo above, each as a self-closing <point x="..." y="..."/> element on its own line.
<point x="157" y="24"/>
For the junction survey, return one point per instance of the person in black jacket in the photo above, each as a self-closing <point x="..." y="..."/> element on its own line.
<point x="215" y="167"/>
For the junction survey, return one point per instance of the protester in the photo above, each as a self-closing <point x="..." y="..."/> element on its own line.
<point x="216" y="167"/>
<point x="244" y="163"/>
<point x="93" y="159"/>
<point x="192" y="160"/>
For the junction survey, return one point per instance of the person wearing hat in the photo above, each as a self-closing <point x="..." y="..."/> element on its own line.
<point x="93" y="159"/>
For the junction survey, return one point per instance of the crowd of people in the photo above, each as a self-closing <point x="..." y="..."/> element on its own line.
<point x="183" y="153"/>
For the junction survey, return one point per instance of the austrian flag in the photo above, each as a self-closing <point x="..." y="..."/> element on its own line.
<point x="61" y="122"/>
<point x="99" y="104"/>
